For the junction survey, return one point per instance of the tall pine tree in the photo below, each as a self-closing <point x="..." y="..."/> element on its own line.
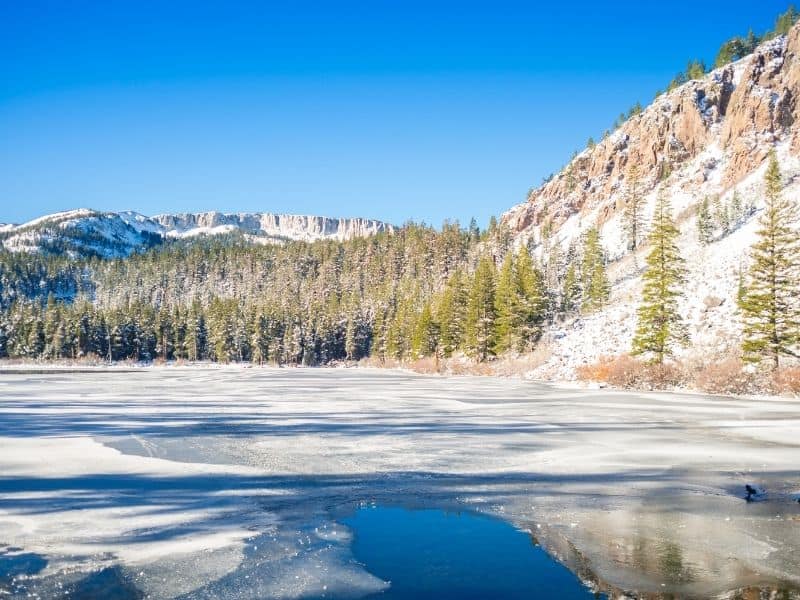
<point x="660" y="326"/>
<point x="593" y="272"/>
<point x="770" y="303"/>
<point x="480" y="311"/>
<point x="632" y="215"/>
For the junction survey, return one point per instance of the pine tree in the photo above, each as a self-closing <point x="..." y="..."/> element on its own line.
<point x="532" y="301"/>
<point x="594" y="281"/>
<point x="480" y="311"/>
<point x="633" y="209"/>
<point x="571" y="294"/>
<point x="705" y="225"/>
<point x="722" y="215"/>
<point x="660" y="325"/>
<point x="786" y="20"/>
<point x="737" y="212"/>
<point x="506" y="307"/>
<point x="771" y="301"/>
<point x="426" y="334"/>
<point x="451" y="314"/>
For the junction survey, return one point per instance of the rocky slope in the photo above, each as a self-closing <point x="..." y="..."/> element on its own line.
<point x="90" y="232"/>
<point x="707" y="138"/>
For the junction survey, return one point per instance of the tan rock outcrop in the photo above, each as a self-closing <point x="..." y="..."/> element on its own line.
<point x="735" y="114"/>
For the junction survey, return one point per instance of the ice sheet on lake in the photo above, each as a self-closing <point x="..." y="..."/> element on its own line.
<point x="230" y="482"/>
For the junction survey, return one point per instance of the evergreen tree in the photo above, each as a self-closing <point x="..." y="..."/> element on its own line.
<point x="532" y="301"/>
<point x="506" y="307"/>
<point x="705" y="226"/>
<point x="737" y="212"/>
<point x="785" y="21"/>
<point x="771" y="300"/>
<point x="696" y="69"/>
<point x="451" y="314"/>
<point x="596" y="288"/>
<point x="480" y="311"/>
<point x="633" y="209"/>
<point x="426" y="334"/>
<point x="571" y="294"/>
<point x="660" y="325"/>
<point x="722" y="215"/>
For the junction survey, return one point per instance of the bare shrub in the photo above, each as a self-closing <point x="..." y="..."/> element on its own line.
<point x="726" y="376"/>
<point x="624" y="371"/>
<point x="427" y="365"/>
<point x="787" y="380"/>
<point x="380" y="362"/>
<point x="459" y="366"/>
<point x="522" y="364"/>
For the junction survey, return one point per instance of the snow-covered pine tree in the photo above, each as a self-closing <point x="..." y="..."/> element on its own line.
<point x="705" y="223"/>
<point x="771" y="301"/>
<point x="660" y="325"/>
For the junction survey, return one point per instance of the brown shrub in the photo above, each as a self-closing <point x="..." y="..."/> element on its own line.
<point x="518" y="365"/>
<point x="426" y="365"/>
<point x="459" y="366"/>
<point x="624" y="371"/>
<point x="786" y="380"/>
<point x="726" y="376"/>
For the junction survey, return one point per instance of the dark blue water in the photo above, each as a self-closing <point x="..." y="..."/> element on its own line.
<point x="436" y="554"/>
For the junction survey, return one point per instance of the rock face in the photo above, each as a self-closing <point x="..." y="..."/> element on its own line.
<point x="293" y="227"/>
<point x="90" y="232"/>
<point x="731" y="117"/>
<point x="708" y="138"/>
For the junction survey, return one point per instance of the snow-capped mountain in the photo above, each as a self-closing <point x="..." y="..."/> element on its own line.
<point x="708" y="138"/>
<point x="109" y="234"/>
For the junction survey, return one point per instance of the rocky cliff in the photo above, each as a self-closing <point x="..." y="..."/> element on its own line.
<point x="293" y="227"/>
<point x="708" y="138"/>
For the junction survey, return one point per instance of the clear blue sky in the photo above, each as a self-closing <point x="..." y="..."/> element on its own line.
<point x="384" y="109"/>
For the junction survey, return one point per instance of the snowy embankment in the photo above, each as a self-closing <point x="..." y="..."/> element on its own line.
<point x="233" y="481"/>
<point x="713" y="272"/>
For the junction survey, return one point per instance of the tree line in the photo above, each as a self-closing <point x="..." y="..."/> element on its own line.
<point x="409" y="294"/>
<point x="403" y="295"/>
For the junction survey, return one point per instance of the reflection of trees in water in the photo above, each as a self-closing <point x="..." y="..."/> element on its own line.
<point x="671" y="563"/>
<point x="664" y="559"/>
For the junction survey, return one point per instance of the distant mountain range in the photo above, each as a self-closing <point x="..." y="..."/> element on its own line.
<point x="85" y="232"/>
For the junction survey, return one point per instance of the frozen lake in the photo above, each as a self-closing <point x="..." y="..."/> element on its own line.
<point x="253" y="483"/>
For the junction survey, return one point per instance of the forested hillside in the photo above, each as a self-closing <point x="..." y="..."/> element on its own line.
<point x="673" y="238"/>
<point x="224" y="298"/>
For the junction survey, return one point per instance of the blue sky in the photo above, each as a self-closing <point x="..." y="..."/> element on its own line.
<point x="391" y="110"/>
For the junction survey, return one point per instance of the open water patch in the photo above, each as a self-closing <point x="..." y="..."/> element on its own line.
<point x="433" y="553"/>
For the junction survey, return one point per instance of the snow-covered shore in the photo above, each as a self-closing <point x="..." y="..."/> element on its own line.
<point x="227" y="481"/>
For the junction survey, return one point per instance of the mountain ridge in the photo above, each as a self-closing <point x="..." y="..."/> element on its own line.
<point x="118" y="234"/>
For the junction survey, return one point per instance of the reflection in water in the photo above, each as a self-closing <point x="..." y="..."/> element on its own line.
<point x="657" y="564"/>
<point x="671" y="562"/>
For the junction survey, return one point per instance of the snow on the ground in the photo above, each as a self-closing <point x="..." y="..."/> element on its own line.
<point x="709" y="304"/>
<point x="232" y="482"/>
